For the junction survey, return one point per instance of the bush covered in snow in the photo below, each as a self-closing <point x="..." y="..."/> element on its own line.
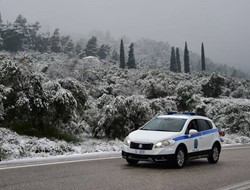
<point x="57" y="94"/>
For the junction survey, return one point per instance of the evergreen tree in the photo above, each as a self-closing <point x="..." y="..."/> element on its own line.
<point x="79" y="50"/>
<point x="186" y="59"/>
<point x="131" y="57"/>
<point x="178" y="60"/>
<point x="56" y="41"/>
<point x="12" y="37"/>
<point x="67" y="45"/>
<point x="1" y="21"/>
<point x="1" y="39"/>
<point x="122" y="55"/>
<point x="21" y="20"/>
<point x="203" y="64"/>
<point x="173" y="65"/>
<point x="115" y="56"/>
<point x="91" y="47"/>
<point x="1" y="42"/>
<point x="103" y="51"/>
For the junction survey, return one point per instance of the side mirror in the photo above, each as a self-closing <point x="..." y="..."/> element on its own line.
<point x="192" y="132"/>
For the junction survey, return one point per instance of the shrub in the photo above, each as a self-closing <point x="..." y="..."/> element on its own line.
<point x="213" y="88"/>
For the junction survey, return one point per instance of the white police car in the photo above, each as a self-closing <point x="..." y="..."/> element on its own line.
<point x="173" y="137"/>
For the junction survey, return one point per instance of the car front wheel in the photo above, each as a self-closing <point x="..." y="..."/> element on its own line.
<point x="180" y="157"/>
<point x="214" y="155"/>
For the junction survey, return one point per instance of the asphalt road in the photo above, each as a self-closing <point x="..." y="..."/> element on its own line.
<point x="232" y="171"/>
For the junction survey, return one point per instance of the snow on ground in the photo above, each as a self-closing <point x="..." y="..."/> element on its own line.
<point x="16" y="147"/>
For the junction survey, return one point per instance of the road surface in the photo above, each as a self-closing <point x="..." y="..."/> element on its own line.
<point x="231" y="172"/>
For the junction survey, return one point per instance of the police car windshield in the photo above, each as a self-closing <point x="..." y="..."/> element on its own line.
<point x="165" y="124"/>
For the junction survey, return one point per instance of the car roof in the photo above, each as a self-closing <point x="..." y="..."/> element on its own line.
<point x="183" y="116"/>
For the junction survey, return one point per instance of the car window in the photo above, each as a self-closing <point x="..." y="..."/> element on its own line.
<point x="203" y="125"/>
<point x="210" y="124"/>
<point x="165" y="124"/>
<point x="192" y="125"/>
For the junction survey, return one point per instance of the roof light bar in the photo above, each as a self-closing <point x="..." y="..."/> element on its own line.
<point x="184" y="113"/>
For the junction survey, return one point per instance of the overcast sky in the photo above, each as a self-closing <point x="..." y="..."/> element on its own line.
<point x="223" y="25"/>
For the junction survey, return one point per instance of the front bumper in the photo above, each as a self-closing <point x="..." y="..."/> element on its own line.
<point x="144" y="157"/>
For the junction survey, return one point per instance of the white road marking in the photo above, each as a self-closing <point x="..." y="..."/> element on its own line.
<point x="235" y="148"/>
<point x="245" y="185"/>
<point x="57" y="163"/>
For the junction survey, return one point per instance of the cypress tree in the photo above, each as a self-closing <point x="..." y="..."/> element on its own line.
<point x="122" y="55"/>
<point x="173" y="65"/>
<point x="1" y="21"/>
<point x="1" y="39"/>
<point x="186" y="59"/>
<point x="131" y="57"/>
<point x="203" y="64"/>
<point x="178" y="60"/>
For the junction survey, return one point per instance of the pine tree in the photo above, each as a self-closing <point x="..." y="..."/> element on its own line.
<point x="115" y="56"/>
<point x="122" y="55"/>
<point x="56" y="41"/>
<point x="79" y="50"/>
<point x="131" y="57"/>
<point x="91" y="47"/>
<point x="203" y="64"/>
<point x="178" y="60"/>
<point x="21" y="20"/>
<point x="173" y="65"/>
<point x="42" y="43"/>
<point x="186" y="59"/>
<point x="104" y="51"/>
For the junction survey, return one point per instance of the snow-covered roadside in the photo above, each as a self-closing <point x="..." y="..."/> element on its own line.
<point x="16" y="147"/>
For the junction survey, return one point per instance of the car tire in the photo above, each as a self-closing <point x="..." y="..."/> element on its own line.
<point x="214" y="154"/>
<point x="132" y="162"/>
<point x="180" y="157"/>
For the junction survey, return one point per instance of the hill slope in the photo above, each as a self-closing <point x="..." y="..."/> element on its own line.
<point x="53" y="96"/>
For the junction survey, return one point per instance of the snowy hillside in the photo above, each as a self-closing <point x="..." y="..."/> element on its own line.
<point x="78" y="100"/>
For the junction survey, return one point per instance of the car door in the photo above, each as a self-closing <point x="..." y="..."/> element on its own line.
<point x="207" y="136"/>
<point x="193" y="142"/>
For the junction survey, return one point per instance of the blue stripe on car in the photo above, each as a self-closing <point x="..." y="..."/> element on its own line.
<point x="196" y="135"/>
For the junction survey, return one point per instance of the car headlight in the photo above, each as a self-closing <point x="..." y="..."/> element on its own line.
<point x="164" y="143"/>
<point x="126" y="141"/>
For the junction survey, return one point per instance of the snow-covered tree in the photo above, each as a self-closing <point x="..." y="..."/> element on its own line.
<point x="115" y="56"/>
<point x="91" y="47"/>
<point x="131" y="57"/>
<point x="213" y="87"/>
<point x="42" y="43"/>
<point x="21" y="20"/>
<point x="55" y="41"/>
<point x="67" y="45"/>
<point x="103" y="51"/>
<point x="79" y="50"/>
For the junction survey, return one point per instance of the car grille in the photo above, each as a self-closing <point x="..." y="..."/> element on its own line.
<point x="141" y="146"/>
